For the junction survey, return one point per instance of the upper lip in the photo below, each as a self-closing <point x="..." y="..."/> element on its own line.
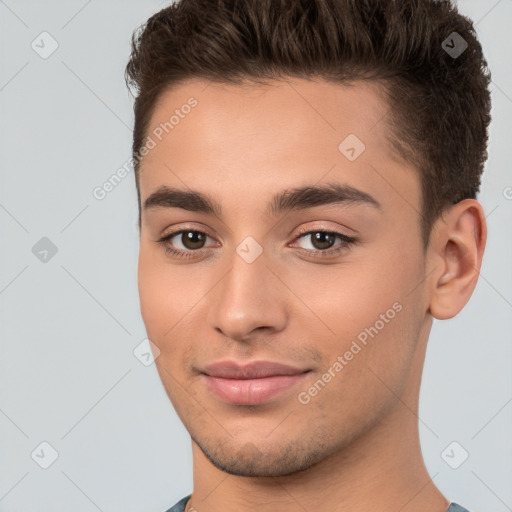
<point x="253" y="370"/>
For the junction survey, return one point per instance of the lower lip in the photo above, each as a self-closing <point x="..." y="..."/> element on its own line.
<point x="251" y="391"/>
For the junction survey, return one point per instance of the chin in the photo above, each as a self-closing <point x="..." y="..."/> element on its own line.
<point x="251" y="461"/>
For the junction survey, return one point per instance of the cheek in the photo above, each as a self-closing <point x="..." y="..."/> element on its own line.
<point x="351" y="297"/>
<point x="367" y="358"/>
<point x="153" y="294"/>
<point x="169" y="296"/>
<point x="162" y="294"/>
<point x="166" y="301"/>
<point x="365" y="307"/>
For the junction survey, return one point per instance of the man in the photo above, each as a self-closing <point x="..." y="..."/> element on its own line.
<point x="307" y="176"/>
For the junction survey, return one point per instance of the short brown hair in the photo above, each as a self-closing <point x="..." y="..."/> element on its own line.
<point x="439" y="104"/>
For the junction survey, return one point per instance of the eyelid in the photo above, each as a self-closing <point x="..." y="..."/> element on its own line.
<point x="302" y="232"/>
<point x="186" y="227"/>
<point x="315" y="228"/>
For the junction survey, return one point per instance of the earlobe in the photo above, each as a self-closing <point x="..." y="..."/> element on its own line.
<point x="456" y="250"/>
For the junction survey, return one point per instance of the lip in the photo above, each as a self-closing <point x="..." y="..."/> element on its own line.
<point x="250" y="384"/>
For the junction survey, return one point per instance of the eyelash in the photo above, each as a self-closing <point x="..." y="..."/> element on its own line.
<point x="347" y="242"/>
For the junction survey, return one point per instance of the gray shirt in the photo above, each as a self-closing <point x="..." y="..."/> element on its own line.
<point x="180" y="506"/>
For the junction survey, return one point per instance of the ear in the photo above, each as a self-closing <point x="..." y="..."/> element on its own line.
<point x="455" y="252"/>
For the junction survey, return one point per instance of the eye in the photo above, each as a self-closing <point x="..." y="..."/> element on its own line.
<point x="184" y="243"/>
<point x="323" y="242"/>
<point x="189" y="243"/>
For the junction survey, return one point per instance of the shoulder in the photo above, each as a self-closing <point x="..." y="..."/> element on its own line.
<point x="180" y="506"/>
<point x="455" y="507"/>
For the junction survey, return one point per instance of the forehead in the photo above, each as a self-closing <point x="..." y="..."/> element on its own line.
<point x="254" y="138"/>
<point x="293" y="109"/>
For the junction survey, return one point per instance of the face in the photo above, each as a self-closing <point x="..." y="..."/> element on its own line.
<point x="283" y="314"/>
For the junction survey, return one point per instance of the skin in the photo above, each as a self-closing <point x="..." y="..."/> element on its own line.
<point x="355" y="445"/>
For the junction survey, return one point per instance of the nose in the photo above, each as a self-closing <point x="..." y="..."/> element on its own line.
<point x="249" y="298"/>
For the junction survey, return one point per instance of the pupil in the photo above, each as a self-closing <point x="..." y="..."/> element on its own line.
<point x="322" y="240"/>
<point x="192" y="240"/>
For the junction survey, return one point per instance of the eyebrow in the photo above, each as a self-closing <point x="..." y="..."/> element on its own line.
<point x="299" y="198"/>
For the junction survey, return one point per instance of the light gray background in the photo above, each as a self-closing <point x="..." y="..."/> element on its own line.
<point x="69" y="326"/>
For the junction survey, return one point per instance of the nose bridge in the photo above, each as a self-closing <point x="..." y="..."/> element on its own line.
<point x="247" y="297"/>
